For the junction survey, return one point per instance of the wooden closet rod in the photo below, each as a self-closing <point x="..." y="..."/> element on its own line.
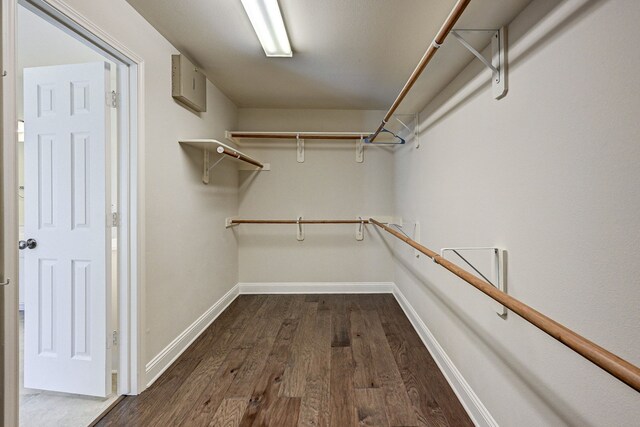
<point x="616" y="366"/>
<point x="239" y="156"/>
<point x="348" y="136"/>
<point x="302" y="221"/>
<point x="426" y="58"/>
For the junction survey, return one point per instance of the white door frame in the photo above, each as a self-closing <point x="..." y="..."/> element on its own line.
<point x="130" y="69"/>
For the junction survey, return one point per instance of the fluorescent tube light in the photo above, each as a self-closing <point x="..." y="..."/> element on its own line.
<point x="268" y="24"/>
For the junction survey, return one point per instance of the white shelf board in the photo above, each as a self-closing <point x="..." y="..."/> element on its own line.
<point x="209" y="146"/>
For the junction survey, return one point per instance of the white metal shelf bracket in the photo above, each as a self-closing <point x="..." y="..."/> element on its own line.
<point x="498" y="270"/>
<point x="300" y="149"/>
<point x="498" y="61"/>
<point x="417" y="238"/>
<point x="207" y="166"/>
<point x="229" y="137"/>
<point x="360" y="230"/>
<point x="228" y="222"/>
<point x="300" y="230"/>
<point x="360" y="149"/>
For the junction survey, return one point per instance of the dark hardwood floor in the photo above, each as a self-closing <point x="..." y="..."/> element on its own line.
<point x="312" y="360"/>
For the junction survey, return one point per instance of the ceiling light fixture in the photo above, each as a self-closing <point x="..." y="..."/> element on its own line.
<point x="266" y="18"/>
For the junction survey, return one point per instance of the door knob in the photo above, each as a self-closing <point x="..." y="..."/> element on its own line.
<point x="29" y="243"/>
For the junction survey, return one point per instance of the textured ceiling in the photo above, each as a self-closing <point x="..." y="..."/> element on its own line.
<point x="348" y="54"/>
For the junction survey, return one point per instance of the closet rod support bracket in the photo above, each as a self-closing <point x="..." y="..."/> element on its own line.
<point x="228" y="222"/>
<point x="498" y="272"/>
<point x="360" y="149"/>
<point x="299" y="149"/>
<point x="498" y="62"/>
<point x="299" y="230"/>
<point x="205" y="167"/>
<point x="360" y="229"/>
<point x="229" y="137"/>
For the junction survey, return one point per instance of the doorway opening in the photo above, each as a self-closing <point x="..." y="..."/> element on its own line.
<point x="68" y="152"/>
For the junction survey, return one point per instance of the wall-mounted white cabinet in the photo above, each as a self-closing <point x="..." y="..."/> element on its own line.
<point x="188" y="83"/>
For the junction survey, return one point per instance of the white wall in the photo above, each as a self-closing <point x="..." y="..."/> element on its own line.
<point x="182" y="217"/>
<point x="329" y="184"/>
<point x="551" y="174"/>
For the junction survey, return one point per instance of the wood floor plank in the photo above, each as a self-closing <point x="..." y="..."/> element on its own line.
<point x="282" y="412"/>
<point x="236" y="317"/>
<point x="398" y="404"/>
<point x="324" y="302"/>
<point x="211" y="398"/>
<point x="295" y="374"/>
<point x="229" y="413"/>
<point x="365" y="375"/>
<point x="341" y="334"/>
<point x="223" y="337"/>
<point x="252" y="333"/>
<point x="427" y="387"/>
<point x="426" y="407"/>
<point x="245" y="380"/>
<point x="314" y="406"/>
<point x="267" y="388"/>
<point x="429" y="377"/>
<point x="342" y="396"/>
<point x="370" y="407"/>
<point x="312" y="298"/>
<point x="268" y="360"/>
<point x="296" y="310"/>
<point x="367" y="302"/>
<point x="144" y="408"/>
<point x="178" y="405"/>
<point x="395" y="316"/>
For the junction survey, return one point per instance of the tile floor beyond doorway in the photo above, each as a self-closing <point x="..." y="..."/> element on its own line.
<point x="40" y="408"/>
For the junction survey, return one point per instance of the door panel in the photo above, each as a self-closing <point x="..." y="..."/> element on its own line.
<point x="67" y="202"/>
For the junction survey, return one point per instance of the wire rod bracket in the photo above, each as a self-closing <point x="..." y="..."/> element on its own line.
<point x="497" y="270"/>
<point x="498" y="60"/>
<point x="400" y="140"/>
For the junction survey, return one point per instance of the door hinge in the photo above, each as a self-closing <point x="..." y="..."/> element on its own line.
<point x="114" y="338"/>
<point x="115" y="219"/>
<point x="112" y="99"/>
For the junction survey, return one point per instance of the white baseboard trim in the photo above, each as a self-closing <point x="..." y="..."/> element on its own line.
<point x="471" y="402"/>
<point x="317" y="288"/>
<point x="170" y="353"/>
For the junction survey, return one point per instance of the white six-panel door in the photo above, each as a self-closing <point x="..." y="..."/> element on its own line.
<point x="67" y="275"/>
